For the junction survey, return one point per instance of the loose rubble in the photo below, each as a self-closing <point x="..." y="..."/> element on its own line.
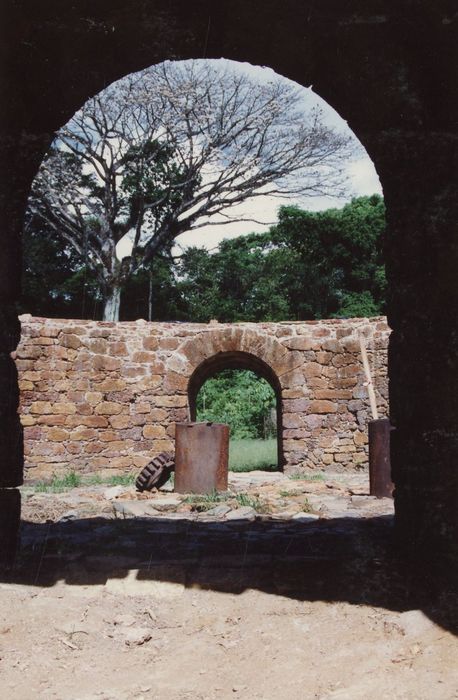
<point x="268" y="495"/>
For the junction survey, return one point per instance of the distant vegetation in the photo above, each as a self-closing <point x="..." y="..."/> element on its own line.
<point x="309" y="265"/>
<point x="243" y="400"/>
<point x="247" y="403"/>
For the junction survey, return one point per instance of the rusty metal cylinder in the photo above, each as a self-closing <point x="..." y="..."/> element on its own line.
<point x="380" y="482"/>
<point x="201" y="457"/>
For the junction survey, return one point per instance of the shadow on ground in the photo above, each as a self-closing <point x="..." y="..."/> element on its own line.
<point x="345" y="559"/>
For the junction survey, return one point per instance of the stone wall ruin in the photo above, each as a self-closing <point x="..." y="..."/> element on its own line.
<point x="104" y="397"/>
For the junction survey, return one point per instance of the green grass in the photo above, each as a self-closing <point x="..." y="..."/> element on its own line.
<point x="243" y="499"/>
<point x="200" y="502"/>
<point x="69" y="481"/>
<point x="298" y="476"/>
<point x="306" y="507"/>
<point x="121" y="480"/>
<point x="250" y="455"/>
<point x="73" y="480"/>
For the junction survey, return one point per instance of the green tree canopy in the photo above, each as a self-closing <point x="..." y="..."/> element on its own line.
<point x="310" y="265"/>
<point x="242" y="400"/>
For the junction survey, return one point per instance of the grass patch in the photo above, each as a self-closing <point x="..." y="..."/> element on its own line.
<point x="200" y="502"/>
<point x="287" y="494"/>
<point x="298" y="476"/>
<point x="57" y="485"/>
<point x="243" y="499"/>
<point x="306" y="507"/>
<point x="251" y="455"/>
<point x="121" y="480"/>
<point x="73" y="480"/>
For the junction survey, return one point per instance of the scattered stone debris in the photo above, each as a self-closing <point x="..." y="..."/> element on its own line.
<point x="251" y="495"/>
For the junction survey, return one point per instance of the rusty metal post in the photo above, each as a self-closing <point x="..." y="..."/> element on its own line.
<point x="380" y="482"/>
<point x="201" y="457"/>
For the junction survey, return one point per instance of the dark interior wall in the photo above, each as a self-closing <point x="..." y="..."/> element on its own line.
<point x="388" y="67"/>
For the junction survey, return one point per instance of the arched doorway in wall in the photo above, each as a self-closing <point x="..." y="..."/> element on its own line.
<point x="239" y="361"/>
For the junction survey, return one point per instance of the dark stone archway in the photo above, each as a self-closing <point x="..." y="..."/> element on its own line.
<point x="237" y="360"/>
<point x="389" y="69"/>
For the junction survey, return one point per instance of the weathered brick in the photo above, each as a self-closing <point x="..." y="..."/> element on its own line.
<point x="40" y="407"/>
<point x="150" y="343"/>
<point x="108" y="435"/>
<point x="163" y="446"/>
<point x="151" y="432"/>
<point x="169" y="343"/>
<point x="120" y="422"/>
<point x="300" y="342"/>
<point x="323" y="406"/>
<point x="52" y="420"/>
<point x="118" y="349"/>
<point x="108" y="408"/>
<point x="361" y="438"/>
<point x="140" y="407"/>
<point x="175" y="382"/>
<point x="93" y="447"/>
<point x="27" y="420"/>
<point x="93" y="397"/>
<point x="142" y="356"/>
<point x="57" y="435"/>
<point x="169" y="401"/>
<point x="70" y="340"/>
<point x="90" y="421"/>
<point x="64" y="407"/>
<point x="133" y="372"/>
<point x="106" y="363"/>
<point x="25" y="385"/>
<point x="110" y="385"/>
<point x="98" y="346"/>
<point x="83" y="433"/>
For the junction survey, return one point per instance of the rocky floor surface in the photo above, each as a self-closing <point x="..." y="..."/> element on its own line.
<point x="279" y="588"/>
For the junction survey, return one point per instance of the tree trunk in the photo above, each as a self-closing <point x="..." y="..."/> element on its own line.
<point x="112" y="303"/>
<point x="150" y="297"/>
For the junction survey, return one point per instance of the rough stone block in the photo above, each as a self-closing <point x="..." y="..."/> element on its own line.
<point x="323" y="406"/>
<point x="108" y="408"/>
<point x="150" y="343"/>
<point x="64" y="407"/>
<point x="151" y="432"/>
<point x="57" y="435"/>
<point x="300" y="342"/>
<point x="40" y="407"/>
<point x="118" y="349"/>
<point x="70" y="340"/>
<point x="120" y="422"/>
<point x="106" y="363"/>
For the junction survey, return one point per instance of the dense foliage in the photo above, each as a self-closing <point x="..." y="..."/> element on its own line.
<point x="243" y="400"/>
<point x="310" y="265"/>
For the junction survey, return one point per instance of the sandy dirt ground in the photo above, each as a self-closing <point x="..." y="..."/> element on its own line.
<point x="166" y="599"/>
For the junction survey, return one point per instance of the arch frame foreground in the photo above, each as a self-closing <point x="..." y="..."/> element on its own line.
<point x="369" y="60"/>
<point x="238" y="360"/>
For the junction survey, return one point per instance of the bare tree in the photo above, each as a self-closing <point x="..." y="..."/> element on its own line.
<point x="163" y="151"/>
